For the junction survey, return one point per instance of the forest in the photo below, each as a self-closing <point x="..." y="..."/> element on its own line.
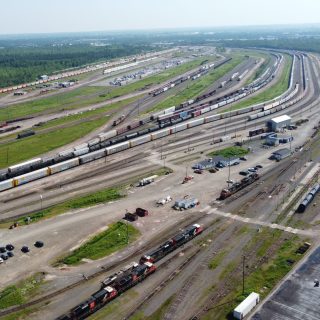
<point x="20" y="64"/>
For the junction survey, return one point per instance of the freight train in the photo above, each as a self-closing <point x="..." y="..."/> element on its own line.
<point x="119" y="282"/>
<point x="309" y="198"/>
<point x="237" y="186"/>
<point x="107" y="143"/>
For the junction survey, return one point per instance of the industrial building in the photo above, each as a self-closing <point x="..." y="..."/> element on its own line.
<point x="279" y="123"/>
<point x="217" y="161"/>
<point x="275" y="139"/>
<point x="281" y="154"/>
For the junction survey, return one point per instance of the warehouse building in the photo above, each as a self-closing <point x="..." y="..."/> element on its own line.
<point x="279" y="123"/>
<point x="275" y="139"/>
<point x="217" y="161"/>
<point x="281" y="154"/>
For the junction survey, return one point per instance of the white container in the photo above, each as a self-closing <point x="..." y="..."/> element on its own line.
<point x="179" y="127"/>
<point x="65" y="165"/>
<point x="107" y="135"/>
<point x="81" y="146"/>
<point x="246" y="306"/>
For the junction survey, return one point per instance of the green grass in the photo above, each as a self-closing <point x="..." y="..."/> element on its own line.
<point x="38" y="144"/>
<point x="85" y="96"/>
<point x="216" y="261"/>
<point x="20" y="315"/>
<point x="92" y="199"/>
<point x="272" y="92"/>
<point x="103" y="244"/>
<point x="21" y="292"/>
<point x="262" y="280"/>
<point x="229" y="152"/>
<point x="86" y="114"/>
<point x="157" y="315"/>
<point x="198" y="87"/>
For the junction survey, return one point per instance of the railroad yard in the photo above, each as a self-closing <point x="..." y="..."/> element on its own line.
<point x="199" y="165"/>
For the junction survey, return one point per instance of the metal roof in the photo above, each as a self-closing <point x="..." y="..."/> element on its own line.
<point x="282" y="152"/>
<point x="281" y="119"/>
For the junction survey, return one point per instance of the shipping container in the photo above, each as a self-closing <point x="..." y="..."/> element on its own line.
<point x="246" y="306"/>
<point x="179" y="127"/>
<point x="64" y="165"/>
<point x="81" y="146"/>
<point x="93" y="142"/>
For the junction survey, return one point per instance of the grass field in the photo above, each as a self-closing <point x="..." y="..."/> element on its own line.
<point x="262" y="279"/>
<point x="21" y="292"/>
<point x="92" y="199"/>
<point x="109" y="241"/>
<point x="85" y="96"/>
<point x="229" y="152"/>
<point x="38" y="144"/>
<point x="199" y="86"/>
<point x="274" y="91"/>
<point x="216" y="261"/>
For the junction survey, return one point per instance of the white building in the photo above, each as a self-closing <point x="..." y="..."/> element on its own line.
<point x="279" y="123"/>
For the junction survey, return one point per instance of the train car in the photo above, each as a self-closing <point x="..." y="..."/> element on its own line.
<point x="31" y="176"/>
<point x="119" y="147"/>
<point x="140" y="140"/>
<point x="59" y="167"/>
<point x="6" y="184"/>
<point x="92" y="156"/>
<point x="107" y="135"/>
<point x="159" y="252"/>
<point x="131" y="135"/>
<point x="81" y="146"/>
<point x="93" y="142"/>
<point x="160" y="134"/>
<point x="80" y="152"/>
<point x="179" y="127"/>
<point x="195" y="123"/>
<point x="28" y="165"/>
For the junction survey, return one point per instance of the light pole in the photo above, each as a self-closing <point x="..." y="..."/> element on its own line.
<point x="41" y="197"/>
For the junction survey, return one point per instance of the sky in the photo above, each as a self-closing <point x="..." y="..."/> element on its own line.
<point x="47" y="16"/>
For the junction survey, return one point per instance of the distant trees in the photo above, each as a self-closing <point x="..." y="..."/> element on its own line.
<point x="25" y="64"/>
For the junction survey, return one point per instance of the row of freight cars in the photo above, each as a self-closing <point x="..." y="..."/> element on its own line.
<point x="103" y="145"/>
<point x="309" y="198"/>
<point x="83" y="153"/>
<point x="119" y="282"/>
<point x="90" y="68"/>
<point x="193" y="76"/>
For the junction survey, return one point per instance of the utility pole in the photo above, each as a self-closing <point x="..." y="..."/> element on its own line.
<point x="41" y="197"/>
<point x="229" y="170"/>
<point x="243" y="266"/>
<point x="7" y="156"/>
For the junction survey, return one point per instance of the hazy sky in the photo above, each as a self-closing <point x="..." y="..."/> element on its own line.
<point x="35" y="16"/>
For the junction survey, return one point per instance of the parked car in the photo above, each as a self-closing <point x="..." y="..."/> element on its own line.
<point x="230" y="181"/>
<point x="10" y="247"/>
<point x="252" y="170"/>
<point x="199" y="171"/>
<point x="3" y="249"/>
<point x="142" y="212"/>
<point x="259" y="166"/>
<point x="25" y="249"/>
<point x="1" y="260"/>
<point x="244" y="158"/>
<point x="4" y="257"/>
<point x="38" y="244"/>
<point x="10" y="254"/>
<point x="235" y="163"/>
<point x="244" y="173"/>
